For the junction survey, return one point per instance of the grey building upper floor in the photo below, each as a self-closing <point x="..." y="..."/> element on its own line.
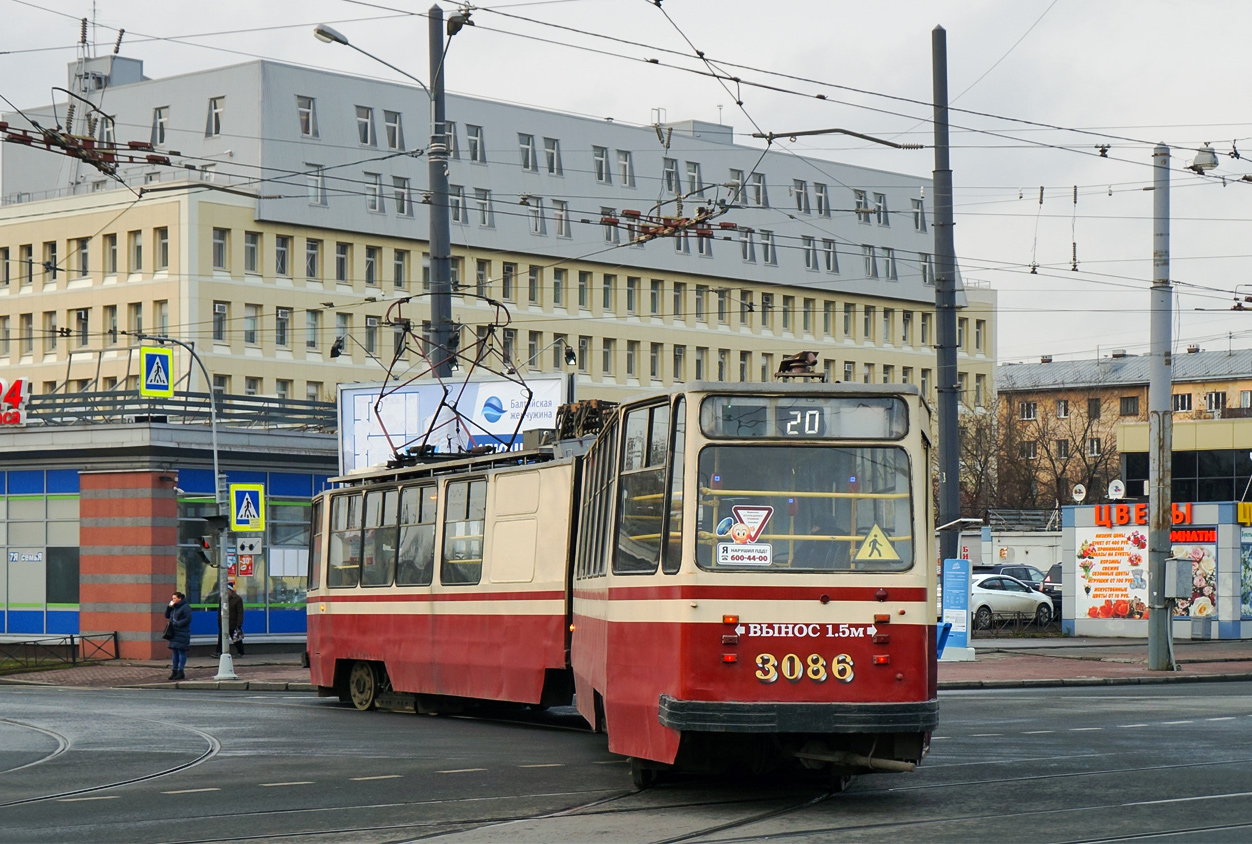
<point x="342" y="152"/>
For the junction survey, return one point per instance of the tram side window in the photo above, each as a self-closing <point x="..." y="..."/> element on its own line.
<point x="465" y="511"/>
<point x="378" y="564"/>
<point x="586" y="521"/>
<point x="643" y="491"/>
<point x="315" y="547"/>
<point x="602" y="502"/>
<point x="417" y="536"/>
<point x="343" y="567"/>
<point x="673" y="559"/>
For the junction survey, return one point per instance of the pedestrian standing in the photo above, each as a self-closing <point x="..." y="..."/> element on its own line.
<point x="234" y="612"/>
<point x="178" y="633"/>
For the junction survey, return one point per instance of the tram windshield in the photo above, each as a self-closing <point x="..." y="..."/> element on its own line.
<point x="804" y="509"/>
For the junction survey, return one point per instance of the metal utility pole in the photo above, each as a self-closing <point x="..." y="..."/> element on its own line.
<point x="945" y="307"/>
<point x="1160" y="423"/>
<point x="440" y="226"/>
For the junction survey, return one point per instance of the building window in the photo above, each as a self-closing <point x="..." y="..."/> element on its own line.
<point x="925" y="329"/>
<point x="680" y="363"/>
<point x="849" y="312"/>
<point x="702" y="363"/>
<point x="808" y="245"/>
<point x="1093" y="408"/>
<point x="282" y="255"/>
<point x="870" y="254"/>
<point x="365" y="126"/>
<point x="880" y="209"/>
<point x="560" y="217"/>
<point x="769" y="254"/>
<point x="584" y="285"/>
<point x="282" y="388"/>
<point x="507" y="278"/>
<point x="1027" y="411"/>
<point x="312" y="258"/>
<point x="962" y="326"/>
<point x="632" y="294"/>
<point x="160" y="116"/>
<point x="600" y="163"/>
<point x="608" y="222"/>
<point x="980" y="334"/>
<point x="558" y="286"/>
<point x="632" y="358"/>
<point x="1182" y="402"/>
<point x="919" y="215"/>
<point x="552" y="153"/>
<point x="136" y="253"/>
<point x="830" y="257"/>
<point x="371" y="335"/>
<point x="82" y="249"/>
<point x="680" y="300"/>
<point x="584" y="353"/>
<point x="538" y="225"/>
<point x="926" y="263"/>
<point x="477" y="149"/>
<point x="400" y="192"/>
<point x="1028" y="450"/>
<point x="456" y="204"/>
<point x="162" y="249"/>
<point x="312" y="329"/>
<point x="1094" y="447"/>
<point x="788" y="307"/>
<point x="1062" y="408"/>
<point x="702" y="295"/>
<point x="251" y="386"/>
<point x="758" y="193"/>
<point x="610" y="293"/>
<point x="823" y="199"/>
<point x="394" y="128"/>
<point x="526" y="146"/>
<point x="906" y="375"/>
<point x="343" y="259"/>
<point x="213" y="127"/>
<point x="110" y="258"/>
<point x="654" y="361"/>
<point x="306" y="111"/>
<point x="695" y="184"/>
<point x="670" y="175"/>
<point x="1214" y="401"/>
<point x="400" y="267"/>
<point x="219" y="249"/>
<point x="482" y="198"/>
<point x="869" y="313"/>
<point x="282" y="327"/>
<point x="626" y="168"/>
<point x="656" y="291"/>
<point x="1129" y="406"/>
<point x="482" y="277"/>
<point x="747" y="245"/>
<point x="860" y="202"/>
<point x="251" y="322"/>
<point x="1062" y="449"/>
<point x="221" y="313"/>
<point x="374" y="192"/>
<point x="534" y="284"/>
<point x="889" y="264"/>
<point x="767" y="310"/>
<point x="800" y="190"/>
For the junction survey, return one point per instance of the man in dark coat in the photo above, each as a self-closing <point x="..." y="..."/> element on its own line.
<point x="178" y="631"/>
<point x="234" y="609"/>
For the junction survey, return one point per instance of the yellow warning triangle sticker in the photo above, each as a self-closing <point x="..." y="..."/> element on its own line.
<point x="876" y="547"/>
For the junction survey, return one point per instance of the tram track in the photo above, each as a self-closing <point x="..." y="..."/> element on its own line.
<point x="214" y="747"/>
<point x="63" y="744"/>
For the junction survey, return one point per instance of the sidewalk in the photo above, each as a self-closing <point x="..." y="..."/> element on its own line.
<point x="1000" y="663"/>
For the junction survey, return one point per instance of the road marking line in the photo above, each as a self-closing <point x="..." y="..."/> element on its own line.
<point x="1037" y="732"/>
<point x="282" y="784"/>
<point x="939" y="738"/>
<point x="381" y="777"/>
<point x="1171" y="723"/>
<point x="461" y="771"/>
<point x="191" y="791"/>
<point x="545" y="765"/>
<point x="1223" y="718"/>
<point x="1129" y="726"/>
<point x="82" y="799"/>
<point x="1085" y="729"/>
<point x="1190" y="799"/>
<point x="986" y="735"/>
<point x="609" y="762"/>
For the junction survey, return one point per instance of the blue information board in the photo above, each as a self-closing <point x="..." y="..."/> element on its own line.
<point x="956" y="601"/>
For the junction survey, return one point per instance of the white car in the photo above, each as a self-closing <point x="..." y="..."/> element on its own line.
<point x="992" y="595"/>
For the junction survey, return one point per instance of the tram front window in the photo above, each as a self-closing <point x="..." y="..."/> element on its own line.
<point x="804" y="509"/>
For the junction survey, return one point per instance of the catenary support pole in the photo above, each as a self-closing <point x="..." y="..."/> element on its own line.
<point x="1160" y="423"/>
<point x="945" y="308"/>
<point x="440" y="234"/>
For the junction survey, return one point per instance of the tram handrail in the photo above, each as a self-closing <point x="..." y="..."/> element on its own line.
<point x="778" y="493"/>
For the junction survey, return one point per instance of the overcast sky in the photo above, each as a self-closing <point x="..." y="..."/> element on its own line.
<point x="1128" y="74"/>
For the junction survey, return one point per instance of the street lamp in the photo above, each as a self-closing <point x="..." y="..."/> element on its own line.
<point x="437" y="168"/>
<point x="225" y="665"/>
<point x="571" y="359"/>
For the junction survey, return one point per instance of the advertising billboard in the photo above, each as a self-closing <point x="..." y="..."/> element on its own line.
<point x="487" y="413"/>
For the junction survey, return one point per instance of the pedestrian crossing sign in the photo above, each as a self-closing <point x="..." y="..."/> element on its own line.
<point x="247" y="507"/>
<point x="876" y="548"/>
<point x="156" y="364"/>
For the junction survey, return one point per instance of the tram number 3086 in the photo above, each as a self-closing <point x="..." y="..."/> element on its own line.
<point x="794" y="668"/>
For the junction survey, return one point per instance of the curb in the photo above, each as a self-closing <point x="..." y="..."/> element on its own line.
<point x="966" y="685"/>
<point x="237" y="685"/>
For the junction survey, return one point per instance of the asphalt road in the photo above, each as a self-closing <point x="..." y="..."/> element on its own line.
<point x="1109" y="764"/>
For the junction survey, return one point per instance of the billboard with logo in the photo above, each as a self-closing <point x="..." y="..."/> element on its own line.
<point x="487" y="413"/>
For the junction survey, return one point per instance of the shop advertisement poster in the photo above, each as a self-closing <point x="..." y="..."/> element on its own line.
<point x="1112" y="573"/>
<point x="1199" y="545"/>
<point x="1245" y="572"/>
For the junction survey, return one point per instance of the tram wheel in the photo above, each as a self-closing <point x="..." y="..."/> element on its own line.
<point x="642" y="774"/>
<point x="363" y="685"/>
<point x="982" y="618"/>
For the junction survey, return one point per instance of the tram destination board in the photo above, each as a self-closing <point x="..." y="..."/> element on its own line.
<point x="804" y="417"/>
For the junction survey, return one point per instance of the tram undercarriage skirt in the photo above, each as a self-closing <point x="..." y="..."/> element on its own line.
<point x="736" y="717"/>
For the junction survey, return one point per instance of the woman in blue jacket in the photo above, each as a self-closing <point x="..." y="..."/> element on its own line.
<point x="179" y="630"/>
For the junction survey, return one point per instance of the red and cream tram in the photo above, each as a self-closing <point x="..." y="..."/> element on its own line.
<point x="730" y="574"/>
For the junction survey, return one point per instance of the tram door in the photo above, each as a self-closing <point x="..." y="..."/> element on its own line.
<point x="413" y="669"/>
